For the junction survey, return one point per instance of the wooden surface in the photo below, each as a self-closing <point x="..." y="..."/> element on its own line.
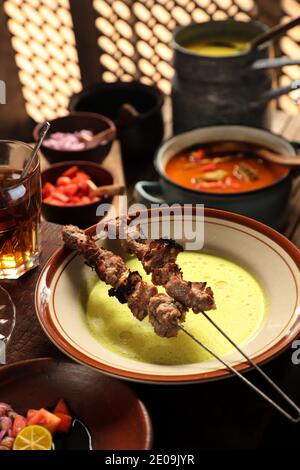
<point x="28" y="339"/>
<point x="227" y="414"/>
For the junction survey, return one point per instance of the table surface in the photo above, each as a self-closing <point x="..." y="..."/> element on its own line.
<point x="216" y="415"/>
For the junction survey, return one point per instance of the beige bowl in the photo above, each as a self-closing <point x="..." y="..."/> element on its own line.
<point x="269" y="256"/>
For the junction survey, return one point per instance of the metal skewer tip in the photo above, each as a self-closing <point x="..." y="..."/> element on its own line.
<point x="294" y="419"/>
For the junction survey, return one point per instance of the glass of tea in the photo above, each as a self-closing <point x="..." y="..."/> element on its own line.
<point x="20" y="209"/>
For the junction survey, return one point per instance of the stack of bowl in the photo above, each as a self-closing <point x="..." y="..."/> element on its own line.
<point x="87" y="160"/>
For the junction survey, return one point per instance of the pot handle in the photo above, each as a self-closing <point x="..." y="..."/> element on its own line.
<point x="143" y="192"/>
<point x="262" y="64"/>
<point x="272" y="94"/>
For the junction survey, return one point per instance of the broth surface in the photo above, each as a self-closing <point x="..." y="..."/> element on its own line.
<point x="241" y="309"/>
<point x="221" y="174"/>
<point x="219" y="47"/>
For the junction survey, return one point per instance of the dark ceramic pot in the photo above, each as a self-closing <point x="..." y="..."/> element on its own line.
<point x="83" y="216"/>
<point x="139" y="136"/>
<point x="209" y="90"/>
<point x="267" y="205"/>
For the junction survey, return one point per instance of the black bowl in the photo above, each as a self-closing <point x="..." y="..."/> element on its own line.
<point x="139" y="137"/>
<point x="76" y="122"/>
<point x="85" y="215"/>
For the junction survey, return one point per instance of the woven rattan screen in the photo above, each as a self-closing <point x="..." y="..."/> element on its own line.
<point x="133" y="42"/>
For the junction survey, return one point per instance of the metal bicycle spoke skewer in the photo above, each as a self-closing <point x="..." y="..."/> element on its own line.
<point x="294" y="419"/>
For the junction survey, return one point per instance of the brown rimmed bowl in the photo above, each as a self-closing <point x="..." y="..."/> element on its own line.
<point x="77" y="122"/>
<point x="114" y="416"/>
<point x="81" y="215"/>
<point x="267" y="255"/>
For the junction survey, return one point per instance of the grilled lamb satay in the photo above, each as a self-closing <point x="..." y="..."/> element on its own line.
<point x="128" y="287"/>
<point x="109" y="267"/>
<point x="154" y="254"/>
<point x="158" y="257"/>
<point x="194" y="295"/>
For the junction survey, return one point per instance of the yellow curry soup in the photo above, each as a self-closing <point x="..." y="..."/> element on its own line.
<point x="220" y="47"/>
<point x="241" y="309"/>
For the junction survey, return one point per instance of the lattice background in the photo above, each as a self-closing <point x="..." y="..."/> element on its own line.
<point x="133" y="38"/>
<point x="149" y="24"/>
<point x="44" y="43"/>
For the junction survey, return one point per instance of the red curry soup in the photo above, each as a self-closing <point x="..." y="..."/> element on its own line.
<point x="212" y="168"/>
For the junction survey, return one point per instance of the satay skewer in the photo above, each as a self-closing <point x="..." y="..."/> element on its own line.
<point x="165" y="314"/>
<point x="158" y="257"/>
<point x="128" y="287"/>
<point x="284" y="396"/>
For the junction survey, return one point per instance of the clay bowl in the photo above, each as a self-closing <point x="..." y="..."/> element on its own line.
<point x="76" y="122"/>
<point x="114" y="416"/>
<point x="84" y="215"/>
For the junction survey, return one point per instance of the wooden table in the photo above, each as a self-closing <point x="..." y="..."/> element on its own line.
<point x="226" y="414"/>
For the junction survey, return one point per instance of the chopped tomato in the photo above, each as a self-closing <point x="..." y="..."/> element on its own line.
<point x="54" y="202"/>
<point x="198" y="155"/>
<point x="63" y="180"/>
<point x="85" y="200"/>
<point x="80" y="176"/>
<point x="19" y="423"/>
<point x="70" y="189"/>
<point x="209" y="167"/>
<point x="46" y="419"/>
<point x="70" y="172"/>
<point x="83" y="176"/>
<point x="65" y="422"/>
<point x="59" y="196"/>
<point x="48" y="189"/>
<point x="48" y="200"/>
<point x="31" y="413"/>
<point x="83" y="187"/>
<point x="210" y="185"/>
<point x="75" y="200"/>
<point x="62" y="407"/>
<point x="230" y="182"/>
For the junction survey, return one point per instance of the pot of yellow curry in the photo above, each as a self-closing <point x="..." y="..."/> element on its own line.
<point x="199" y="167"/>
<point x="219" y="79"/>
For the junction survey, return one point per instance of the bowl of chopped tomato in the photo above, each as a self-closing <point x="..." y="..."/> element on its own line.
<point x="66" y="195"/>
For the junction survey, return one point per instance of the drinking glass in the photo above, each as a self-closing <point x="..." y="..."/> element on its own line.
<point x="20" y="209"/>
<point x="7" y="321"/>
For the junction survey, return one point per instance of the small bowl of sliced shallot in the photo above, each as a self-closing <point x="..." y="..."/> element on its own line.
<point x="78" y="136"/>
<point x="73" y="190"/>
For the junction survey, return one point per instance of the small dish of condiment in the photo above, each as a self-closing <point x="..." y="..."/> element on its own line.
<point x="72" y="138"/>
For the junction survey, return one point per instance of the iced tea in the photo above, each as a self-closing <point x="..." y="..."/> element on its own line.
<point x="20" y="206"/>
